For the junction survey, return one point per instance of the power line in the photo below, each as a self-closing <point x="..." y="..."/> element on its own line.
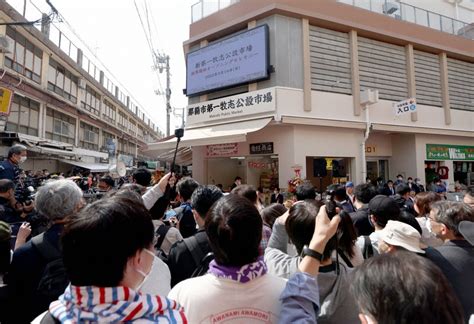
<point x="76" y="34"/>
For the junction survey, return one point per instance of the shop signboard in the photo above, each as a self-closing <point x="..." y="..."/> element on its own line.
<point x="218" y="150"/>
<point x="245" y="104"/>
<point x="405" y="106"/>
<point x="449" y="152"/>
<point x="261" y="148"/>
<point x="6" y="96"/>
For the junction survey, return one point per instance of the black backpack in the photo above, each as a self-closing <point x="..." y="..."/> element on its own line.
<point x="54" y="279"/>
<point x="160" y="233"/>
<point x="201" y="260"/>
<point x="368" y="251"/>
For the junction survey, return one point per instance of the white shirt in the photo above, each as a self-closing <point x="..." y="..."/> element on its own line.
<point x="209" y="299"/>
<point x="158" y="281"/>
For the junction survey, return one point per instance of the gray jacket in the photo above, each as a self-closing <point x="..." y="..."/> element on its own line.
<point x="337" y="305"/>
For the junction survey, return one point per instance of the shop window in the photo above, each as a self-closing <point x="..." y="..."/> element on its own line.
<point x="24" y="116"/>
<point x="23" y="56"/>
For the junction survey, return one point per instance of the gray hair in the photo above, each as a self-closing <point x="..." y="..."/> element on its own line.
<point x="58" y="198"/>
<point x="16" y="149"/>
<point x="451" y="213"/>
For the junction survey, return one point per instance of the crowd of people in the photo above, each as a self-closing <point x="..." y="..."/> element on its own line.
<point x="177" y="251"/>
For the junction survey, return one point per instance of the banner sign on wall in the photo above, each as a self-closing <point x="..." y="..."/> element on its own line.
<point x="244" y="104"/>
<point x="449" y="152"/>
<point x="405" y="106"/>
<point x="228" y="149"/>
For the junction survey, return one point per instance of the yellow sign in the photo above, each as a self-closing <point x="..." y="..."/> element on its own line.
<point x="329" y="163"/>
<point x="6" y="96"/>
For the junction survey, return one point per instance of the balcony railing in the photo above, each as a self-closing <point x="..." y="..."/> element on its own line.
<point x="419" y="16"/>
<point x="205" y="8"/>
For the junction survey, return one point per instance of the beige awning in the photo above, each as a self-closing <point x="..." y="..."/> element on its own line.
<point x="184" y="156"/>
<point x="93" y="167"/>
<point x="219" y="134"/>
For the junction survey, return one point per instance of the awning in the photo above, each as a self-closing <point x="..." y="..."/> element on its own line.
<point x="50" y="151"/>
<point x="219" y="134"/>
<point x="184" y="156"/>
<point x="93" y="167"/>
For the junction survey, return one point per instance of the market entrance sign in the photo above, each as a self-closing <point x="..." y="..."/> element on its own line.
<point x="245" y="104"/>
<point x="449" y="152"/>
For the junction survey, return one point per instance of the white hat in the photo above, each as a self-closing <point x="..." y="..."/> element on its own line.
<point x="401" y="234"/>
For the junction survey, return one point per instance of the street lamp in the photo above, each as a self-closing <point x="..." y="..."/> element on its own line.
<point x="367" y="97"/>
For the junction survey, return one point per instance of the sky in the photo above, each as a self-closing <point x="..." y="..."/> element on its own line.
<point x="112" y="29"/>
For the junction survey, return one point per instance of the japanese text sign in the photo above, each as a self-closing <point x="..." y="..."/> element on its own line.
<point x="245" y="104"/>
<point x="405" y="106"/>
<point x="261" y="148"/>
<point x="449" y="152"/>
<point x="228" y="149"/>
<point x="234" y="60"/>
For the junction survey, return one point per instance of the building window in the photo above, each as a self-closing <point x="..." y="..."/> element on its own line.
<point x="23" y="56"/>
<point x="90" y="101"/>
<point x="140" y="133"/>
<point x="24" y="116"/>
<point x="109" y="112"/>
<point x="122" y="121"/>
<point x="89" y="137"/>
<point x="61" y="81"/>
<point x="60" y="127"/>
<point x="132" y="126"/>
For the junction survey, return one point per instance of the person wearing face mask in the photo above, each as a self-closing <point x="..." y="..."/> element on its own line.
<point x="56" y="201"/>
<point x="455" y="257"/>
<point x="108" y="254"/>
<point x="9" y="168"/>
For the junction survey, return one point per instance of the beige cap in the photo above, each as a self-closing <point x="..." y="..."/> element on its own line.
<point x="403" y="235"/>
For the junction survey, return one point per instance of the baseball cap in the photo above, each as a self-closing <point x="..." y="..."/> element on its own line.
<point x="466" y="228"/>
<point x="382" y="205"/>
<point x="400" y="234"/>
<point x="5" y="231"/>
<point x="349" y="184"/>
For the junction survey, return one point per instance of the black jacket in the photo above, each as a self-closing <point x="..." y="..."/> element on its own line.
<point x="25" y="273"/>
<point x="360" y="218"/>
<point x="180" y="260"/>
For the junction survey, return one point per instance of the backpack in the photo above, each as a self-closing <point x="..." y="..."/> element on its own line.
<point x="200" y="260"/>
<point x="368" y="250"/>
<point x="160" y="233"/>
<point x="54" y="279"/>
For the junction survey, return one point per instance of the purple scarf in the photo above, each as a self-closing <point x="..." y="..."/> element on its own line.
<point x="242" y="274"/>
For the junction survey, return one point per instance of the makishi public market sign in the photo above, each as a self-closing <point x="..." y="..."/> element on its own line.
<point x="449" y="152"/>
<point x="245" y="104"/>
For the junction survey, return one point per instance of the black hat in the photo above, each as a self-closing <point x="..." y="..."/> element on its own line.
<point x="382" y="205"/>
<point x="466" y="228"/>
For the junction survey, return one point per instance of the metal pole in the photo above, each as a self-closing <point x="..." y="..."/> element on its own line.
<point x="366" y="136"/>
<point x="168" y="96"/>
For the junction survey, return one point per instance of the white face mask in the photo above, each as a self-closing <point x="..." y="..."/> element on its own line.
<point x="428" y="225"/>
<point x="145" y="275"/>
<point x="22" y="159"/>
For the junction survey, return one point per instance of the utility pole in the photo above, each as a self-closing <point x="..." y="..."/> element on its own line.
<point x="163" y="61"/>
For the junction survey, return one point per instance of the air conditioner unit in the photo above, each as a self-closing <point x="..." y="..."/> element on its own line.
<point x="4" y="45"/>
<point x="389" y="8"/>
<point x="82" y="84"/>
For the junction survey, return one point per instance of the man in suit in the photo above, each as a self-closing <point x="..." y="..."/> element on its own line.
<point x="276" y="197"/>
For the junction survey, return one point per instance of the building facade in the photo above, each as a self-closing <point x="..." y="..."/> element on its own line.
<point x="323" y="55"/>
<point x="64" y="108"/>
